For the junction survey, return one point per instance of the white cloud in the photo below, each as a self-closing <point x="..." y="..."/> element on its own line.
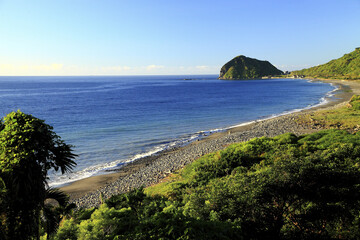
<point x="51" y="67"/>
<point x="116" y="69"/>
<point x="26" y="69"/>
<point x="63" y="69"/>
<point x="202" y="67"/>
<point x="6" y="67"/>
<point x="154" y="67"/>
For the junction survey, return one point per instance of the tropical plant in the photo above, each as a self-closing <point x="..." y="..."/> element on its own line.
<point x="55" y="208"/>
<point x="28" y="149"/>
<point x="2" y="208"/>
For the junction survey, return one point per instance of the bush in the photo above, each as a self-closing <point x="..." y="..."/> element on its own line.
<point x="355" y="102"/>
<point x="286" y="187"/>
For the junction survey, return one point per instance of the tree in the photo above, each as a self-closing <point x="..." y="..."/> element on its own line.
<point x="28" y="149"/>
<point x="304" y="187"/>
<point x="53" y="213"/>
<point x="2" y="207"/>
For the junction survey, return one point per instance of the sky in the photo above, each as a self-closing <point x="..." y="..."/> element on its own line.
<point x="169" y="37"/>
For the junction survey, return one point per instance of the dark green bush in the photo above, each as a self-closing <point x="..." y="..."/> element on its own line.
<point x="286" y="187"/>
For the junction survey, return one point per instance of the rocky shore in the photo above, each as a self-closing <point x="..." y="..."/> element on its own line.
<point x="155" y="168"/>
<point x="151" y="170"/>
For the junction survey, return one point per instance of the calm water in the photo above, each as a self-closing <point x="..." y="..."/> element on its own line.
<point x="111" y="120"/>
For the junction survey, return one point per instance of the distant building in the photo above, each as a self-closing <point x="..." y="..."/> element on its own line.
<point x="298" y="76"/>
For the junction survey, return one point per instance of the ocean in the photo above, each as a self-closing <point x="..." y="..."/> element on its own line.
<point x="112" y="120"/>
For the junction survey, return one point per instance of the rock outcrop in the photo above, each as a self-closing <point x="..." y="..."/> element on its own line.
<point x="242" y="67"/>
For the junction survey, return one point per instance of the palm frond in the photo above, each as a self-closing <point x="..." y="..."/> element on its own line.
<point x="50" y="219"/>
<point x="57" y="195"/>
<point x="63" y="157"/>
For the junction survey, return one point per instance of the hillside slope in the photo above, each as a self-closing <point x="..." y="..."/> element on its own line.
<point x="242" y="67"/>
<point x="346" y="67"/>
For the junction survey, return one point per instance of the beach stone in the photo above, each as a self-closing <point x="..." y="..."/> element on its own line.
<point x="175" y="159"/>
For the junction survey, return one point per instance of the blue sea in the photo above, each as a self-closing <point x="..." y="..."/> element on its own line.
<point x="118" y="119"/>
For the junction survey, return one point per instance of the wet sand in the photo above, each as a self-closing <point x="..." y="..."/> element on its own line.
<point x="153" y="169"/>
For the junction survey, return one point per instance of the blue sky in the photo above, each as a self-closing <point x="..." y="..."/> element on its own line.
<point x="108" y="37"/>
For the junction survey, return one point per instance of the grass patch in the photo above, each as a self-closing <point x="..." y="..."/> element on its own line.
<point x="165" y="187"/>
<point x="180" y="179"/>
<point x="346" y="117"/>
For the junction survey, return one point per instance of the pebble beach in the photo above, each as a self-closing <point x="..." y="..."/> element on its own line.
<point x="153" y="169"/>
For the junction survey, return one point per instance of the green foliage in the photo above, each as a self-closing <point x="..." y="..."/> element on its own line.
<point x="28" y="149"/>
<point x="286" y="187"/>
<point x="355" y="102"/>
<point x="326" y="139"/>
<point x="242" y="67"/>
<point x="2" y="209"/>
<point x="346" y="67"/>
<point x="104" y="223"/>
<point x="53" y="213"/>
<point x="149" y="218"/>
<point x="131" y="200"/>
<point x="300" y="184"/>
<point x="84" y="214"/>
<point x="68" y="230"/>
<point x="340" y="118"/>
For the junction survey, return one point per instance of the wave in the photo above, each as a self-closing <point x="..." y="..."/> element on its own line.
<point x="61" y="180"/>
<point x="323" y="101"/>
<point x="63" y="91"/>
<point x="103" y="87"/>
<point x="156" y="148"/>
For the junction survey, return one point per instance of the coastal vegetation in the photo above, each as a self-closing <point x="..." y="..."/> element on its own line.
<point x="286" y="187"/>
<point x="346" y="67"/>
<point x="346" y="117"/>
<point x="242" y="67"/>
<point x="29" y="149"/>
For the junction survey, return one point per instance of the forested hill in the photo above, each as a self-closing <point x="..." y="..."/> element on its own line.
<point x="242" y="67"/>
<point x="346" y="67"/>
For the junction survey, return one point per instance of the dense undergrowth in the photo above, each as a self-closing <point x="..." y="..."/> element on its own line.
<point x="286" y="187"/>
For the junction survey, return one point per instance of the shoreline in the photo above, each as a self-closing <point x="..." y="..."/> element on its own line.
<point x="153" y="169"/>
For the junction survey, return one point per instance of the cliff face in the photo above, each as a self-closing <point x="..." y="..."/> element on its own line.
<point x="346" y="67"/>
<point x="242" y="67"/>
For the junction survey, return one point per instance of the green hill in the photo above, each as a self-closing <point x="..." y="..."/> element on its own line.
<point x="346" y="67"/>
<point x="242" y="67"/>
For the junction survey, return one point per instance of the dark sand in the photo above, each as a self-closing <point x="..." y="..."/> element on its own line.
<point x="86" y="192"/>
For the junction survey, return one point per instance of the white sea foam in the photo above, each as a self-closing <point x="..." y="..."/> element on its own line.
<point x="324" y="100"/>
<point x="61" y="180"/>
